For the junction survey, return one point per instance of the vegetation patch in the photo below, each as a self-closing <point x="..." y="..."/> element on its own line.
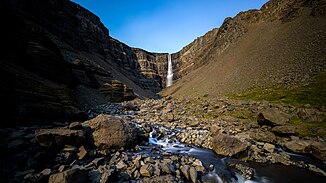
<point x="313" y="94"/>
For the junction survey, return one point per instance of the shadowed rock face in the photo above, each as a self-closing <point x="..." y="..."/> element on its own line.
<point x="57" y="58"/>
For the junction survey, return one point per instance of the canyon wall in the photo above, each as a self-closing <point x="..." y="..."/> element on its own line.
<point x="58" y="60"/>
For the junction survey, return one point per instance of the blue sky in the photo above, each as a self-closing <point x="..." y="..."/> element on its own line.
<point x="164" y="25"/>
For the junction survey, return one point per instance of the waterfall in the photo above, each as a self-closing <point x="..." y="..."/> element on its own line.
<point x="169" y="77"/>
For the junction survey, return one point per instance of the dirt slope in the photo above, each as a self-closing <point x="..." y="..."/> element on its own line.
<point x="271" y="57"/>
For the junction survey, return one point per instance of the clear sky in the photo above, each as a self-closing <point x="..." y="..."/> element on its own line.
<point x="164" y="25"/>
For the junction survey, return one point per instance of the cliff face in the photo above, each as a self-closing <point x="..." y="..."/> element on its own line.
<point x="277" y="50"/>
<point x="216" y="41"/>
<point x="153" y="67"/>
<point x="58" y="59"/>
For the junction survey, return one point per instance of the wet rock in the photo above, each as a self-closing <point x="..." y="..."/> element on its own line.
<point x="211" y="177"/>
<point x="69" y="176"/>
<point x="229" y="145"/>
<point x="245" y="171"/>
<point x="60" y="137"/>
<point x="112" y="132"/>
<point x="316" y="170"/>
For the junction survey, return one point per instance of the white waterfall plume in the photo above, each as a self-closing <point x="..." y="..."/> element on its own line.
<point x="169" y="77"/>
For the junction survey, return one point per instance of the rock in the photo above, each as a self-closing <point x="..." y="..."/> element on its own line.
<point x="281" y="158"/>
<point x="318" y="150"/>
<point x="112" y="132"/>
<point x="262" y="136"/>
<point x="273" y="117"/>
<point x="17" y="144"/>
<point x="269" y="147"/>
<point x="310" y="115"/>
<point x="121" y="165"/>
<point x="286" y="130"/>
<point x="245" y="171"/>
<point x="159" y="179"/>
<point x="94" y="176"/>
<point x="227" y="145"/>
<point x="98" y="161"/>
<point x="169" y="117"/>
<point x="193" y="174"/>
<point x="166" y="168"/>
<point x="185" y="171"/>
<point x="198" y="165"/>
<point x="147" y="170"/>
<point x="298" y="146"/>
<point x="69" y="176"/>
<point x="59" y="137"/>
<point x="82" y="153"/>
<point x="75" y="126"/>
<point x="316" y="170"/>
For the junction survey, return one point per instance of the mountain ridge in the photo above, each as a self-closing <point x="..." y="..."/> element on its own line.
<point x="232" y="50"/>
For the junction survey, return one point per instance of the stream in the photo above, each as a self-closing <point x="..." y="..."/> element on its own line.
<point x="263" y="173"/>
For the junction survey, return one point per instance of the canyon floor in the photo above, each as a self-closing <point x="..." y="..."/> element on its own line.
<point x="205" y="139"/>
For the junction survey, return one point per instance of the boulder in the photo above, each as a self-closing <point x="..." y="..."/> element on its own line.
<point x="298" y="146"/>
<point x="317" y="149"/>
<point x="185" y="171"/>
<point x="286" y="130"/>
<point x="227" y="145"/>
<point x="70" y="176"/>
<point x="59" y="137"/>
<point x="273" y="117"/>
<point x="147" y="170"/>
<point x="112" y="132"/>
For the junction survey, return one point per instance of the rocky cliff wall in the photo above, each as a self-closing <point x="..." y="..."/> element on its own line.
<point x="59" y="59"/>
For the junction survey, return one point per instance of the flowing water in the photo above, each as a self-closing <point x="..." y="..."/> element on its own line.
<point x="264" y="173"/>
<point x="169" y="77"/>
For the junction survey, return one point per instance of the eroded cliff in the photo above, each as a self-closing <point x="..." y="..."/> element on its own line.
<point x="58" y="60"/>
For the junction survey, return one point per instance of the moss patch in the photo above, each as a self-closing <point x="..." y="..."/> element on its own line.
<point x="314" y="93"/>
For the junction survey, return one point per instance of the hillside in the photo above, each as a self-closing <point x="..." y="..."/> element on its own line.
<point x="275" y="53"/>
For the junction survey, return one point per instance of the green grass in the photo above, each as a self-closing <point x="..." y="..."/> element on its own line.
<point x="313" y="94"/>
<point x="309" y="128"/>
